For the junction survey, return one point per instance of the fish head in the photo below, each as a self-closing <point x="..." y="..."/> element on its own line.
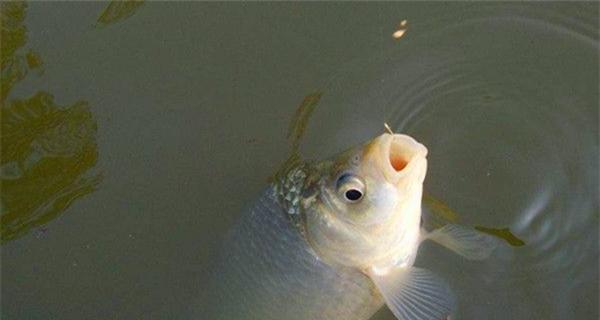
<point x="369" y="201"/>
<point x="369" y="182"/>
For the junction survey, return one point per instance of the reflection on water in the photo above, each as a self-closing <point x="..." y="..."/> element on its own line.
<point x="46" y="149"/>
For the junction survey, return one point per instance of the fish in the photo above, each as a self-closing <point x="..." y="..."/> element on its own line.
<point x="337" y="239"/>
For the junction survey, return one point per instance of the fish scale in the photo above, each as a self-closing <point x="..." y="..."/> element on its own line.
<point x="270" y="272"/>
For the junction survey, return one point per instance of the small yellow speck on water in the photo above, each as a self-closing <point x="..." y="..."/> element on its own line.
<point x="401" y="29"/>
<point x="398" y="34"/>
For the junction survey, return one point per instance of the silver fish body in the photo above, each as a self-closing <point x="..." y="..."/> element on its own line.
<point x="337" y="239"/>
<point x="268" y="271"/>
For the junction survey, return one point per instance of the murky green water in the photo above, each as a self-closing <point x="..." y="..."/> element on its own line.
<point x="129" y="148"/>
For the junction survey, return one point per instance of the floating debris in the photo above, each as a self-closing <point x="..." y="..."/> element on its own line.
<point x="402" y="27"/>
<point x="387" y="128"/>
<point x="118" y="10"/>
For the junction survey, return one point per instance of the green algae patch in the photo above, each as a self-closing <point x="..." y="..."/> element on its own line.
<point x="14" y="66"/>
<point x="46" y="151"/>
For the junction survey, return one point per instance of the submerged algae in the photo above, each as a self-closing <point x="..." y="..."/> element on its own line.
<point x="118" y="10"/>
<point x="46" y="148"/>
<point x="14" y="66"/>
<point x="46" y="151"/>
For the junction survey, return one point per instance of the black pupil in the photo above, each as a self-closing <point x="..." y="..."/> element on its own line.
<point x="353" y="194"/>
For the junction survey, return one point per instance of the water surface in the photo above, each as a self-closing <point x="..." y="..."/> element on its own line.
<point x="186" y="111"/>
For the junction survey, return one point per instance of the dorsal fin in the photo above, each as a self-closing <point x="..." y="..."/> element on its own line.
<point x="296" y="132"/>
<point x="300" y="120"/>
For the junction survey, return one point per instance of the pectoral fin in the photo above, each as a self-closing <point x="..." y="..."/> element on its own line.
<point x="415" y="294"/>
<point x="465" y="241"/>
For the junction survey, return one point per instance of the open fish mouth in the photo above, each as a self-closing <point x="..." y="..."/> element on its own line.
<point x="400" y="155"/>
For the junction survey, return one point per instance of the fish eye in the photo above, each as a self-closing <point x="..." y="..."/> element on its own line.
<point x="350" y="187"/>
<point x="353" y="195"/>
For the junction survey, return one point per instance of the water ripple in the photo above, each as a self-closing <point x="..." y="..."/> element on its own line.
<point x="509" y="114"/>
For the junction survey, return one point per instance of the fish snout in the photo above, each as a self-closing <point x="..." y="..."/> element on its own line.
<point x="402" y="157"/>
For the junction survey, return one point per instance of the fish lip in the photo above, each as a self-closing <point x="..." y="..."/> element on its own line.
<point x="403" y="147"/>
